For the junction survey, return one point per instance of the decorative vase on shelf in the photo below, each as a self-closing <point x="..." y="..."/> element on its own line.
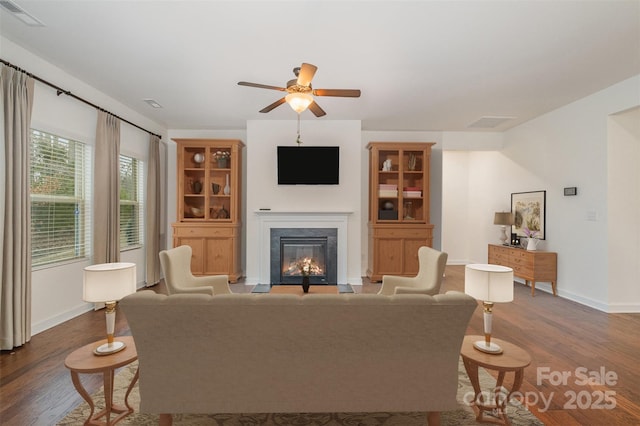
<point x="408" y="210"/>
<point x="532" y="244"/>
<point x="198" y="158"/>
<point x="222" y="213"/>
<point x="222" y="163"/>
<point x="196" y="186"/>
<point x="227" y="188"/>
<point x="305" y="283"/>
<point x="412" y="162"/>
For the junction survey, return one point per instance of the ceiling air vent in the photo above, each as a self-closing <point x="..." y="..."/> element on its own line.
<point x="489" y="122"/>
<point x="21" y="14"/>
<point x="152" y="103"/>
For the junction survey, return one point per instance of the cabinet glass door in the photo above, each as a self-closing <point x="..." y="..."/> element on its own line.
<point x="220" y="184"/>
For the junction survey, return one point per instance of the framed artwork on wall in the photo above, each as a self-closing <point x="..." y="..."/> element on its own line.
<point x="528" y="209"/>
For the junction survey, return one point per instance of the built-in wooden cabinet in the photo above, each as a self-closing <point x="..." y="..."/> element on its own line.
<point x="208" y="191"/>
<point x="531" y="265"/>
<point x="398" y="207"/>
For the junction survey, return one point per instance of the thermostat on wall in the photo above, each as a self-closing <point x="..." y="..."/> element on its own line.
<point x="571" y="191"/>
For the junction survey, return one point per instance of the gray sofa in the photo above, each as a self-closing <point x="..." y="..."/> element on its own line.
<point x="266" y="353"/>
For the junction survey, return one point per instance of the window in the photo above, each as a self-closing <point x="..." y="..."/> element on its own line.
<point x="131" y="202"/>
<point x="60" y="183"/>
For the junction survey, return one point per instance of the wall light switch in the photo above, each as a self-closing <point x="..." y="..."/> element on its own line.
<point x="592" y="215"/>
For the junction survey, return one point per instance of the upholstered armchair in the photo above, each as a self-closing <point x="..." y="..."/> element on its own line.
<point x="429" y="279"/>
<point x="176" y="266"/>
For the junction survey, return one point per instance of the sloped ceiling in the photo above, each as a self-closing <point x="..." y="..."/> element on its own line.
<point x="421" y="65"/>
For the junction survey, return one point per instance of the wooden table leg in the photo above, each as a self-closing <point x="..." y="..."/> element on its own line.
<point x="499" y="407"/>
<point x="129" y="389"/>
<point x="110" y="407"/>
<point x="472" y="372"/>
<point x="83" y="393"/>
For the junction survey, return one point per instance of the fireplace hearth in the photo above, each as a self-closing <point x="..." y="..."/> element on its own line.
<point x="291" y="248"/>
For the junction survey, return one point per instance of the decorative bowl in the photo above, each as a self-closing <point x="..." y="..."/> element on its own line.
<point x="196" y="212"/>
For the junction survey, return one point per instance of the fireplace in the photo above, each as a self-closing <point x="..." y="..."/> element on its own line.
<point x="291" y="248"/>
<point x="268" y="220"/>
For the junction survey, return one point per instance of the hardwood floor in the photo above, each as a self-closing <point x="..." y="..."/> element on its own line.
<point x="561" y="336"/>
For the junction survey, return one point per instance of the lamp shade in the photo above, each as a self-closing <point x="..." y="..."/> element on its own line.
<point x="299" y="101"/>
<point x="491" y="283"/>
<point x="108" y="282"/>
<point x="503" y="218"/>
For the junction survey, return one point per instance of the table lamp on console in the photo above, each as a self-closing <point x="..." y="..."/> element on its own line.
<point x="107" y="283"/>
<point x="491" y="284"/>
<point x="503" y="219"/>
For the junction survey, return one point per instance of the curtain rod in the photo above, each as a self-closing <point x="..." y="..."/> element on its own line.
<point x="60" y="91"/>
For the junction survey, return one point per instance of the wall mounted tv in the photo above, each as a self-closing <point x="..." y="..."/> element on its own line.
<point x="308" y="165"/>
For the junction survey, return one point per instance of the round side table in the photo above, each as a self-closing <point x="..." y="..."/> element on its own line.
<point x="512" y="359"/>
<point x="84" y="361"/>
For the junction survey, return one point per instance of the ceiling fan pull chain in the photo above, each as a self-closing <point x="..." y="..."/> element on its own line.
<point x="298" y="141"/>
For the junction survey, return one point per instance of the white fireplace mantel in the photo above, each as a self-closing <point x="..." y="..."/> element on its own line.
<point x="268" y="219"/>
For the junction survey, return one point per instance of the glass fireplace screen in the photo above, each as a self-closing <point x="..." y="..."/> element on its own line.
<point x="298" y="252"/>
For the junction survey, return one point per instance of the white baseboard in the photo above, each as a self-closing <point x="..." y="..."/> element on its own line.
<point x="60" y="318"/>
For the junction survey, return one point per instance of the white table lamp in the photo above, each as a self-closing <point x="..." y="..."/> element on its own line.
<point x="503" y="219"/>
<point x="107" y="283"/>
<point x="491" y="284"/>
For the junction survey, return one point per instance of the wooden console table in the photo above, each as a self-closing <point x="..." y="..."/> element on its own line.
<point x="531" y="265"/>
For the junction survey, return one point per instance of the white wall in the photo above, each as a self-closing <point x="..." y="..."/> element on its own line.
<point x="566" y="147"/>
<point x="478" y="184"/>
<point x="623" y="210"/>
<point x="262" y="190"/>
<point x="469" y="164"/>
<point x="455" y="206"/>
<point x="57" y="290"/>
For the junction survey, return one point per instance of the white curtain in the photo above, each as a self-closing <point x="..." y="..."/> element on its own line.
<point x="15" y="208"/>
<point x="153" y="211"/>
<point x="106" y="190"/>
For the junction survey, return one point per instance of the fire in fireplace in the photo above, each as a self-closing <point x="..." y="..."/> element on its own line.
<point x="303" y="254"/>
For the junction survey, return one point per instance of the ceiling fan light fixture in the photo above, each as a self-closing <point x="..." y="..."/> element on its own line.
<point x="299" y="101"/>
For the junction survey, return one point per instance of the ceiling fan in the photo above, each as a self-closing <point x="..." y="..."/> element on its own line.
<point x="300" y="93"/>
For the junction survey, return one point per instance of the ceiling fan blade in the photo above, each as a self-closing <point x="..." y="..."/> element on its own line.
<point x="307" y="71"/>
<point x="316" y="110"/>
<point x="347" y="93"/>
<point x="273" y="105"/>
<point x="261" y="86"/>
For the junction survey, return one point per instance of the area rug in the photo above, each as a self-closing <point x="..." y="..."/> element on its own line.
<point x="265" y="288"/>
<point x="463" y="415"/>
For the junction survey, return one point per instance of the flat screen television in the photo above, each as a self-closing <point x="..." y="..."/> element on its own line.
<point x="308" y="165"/>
